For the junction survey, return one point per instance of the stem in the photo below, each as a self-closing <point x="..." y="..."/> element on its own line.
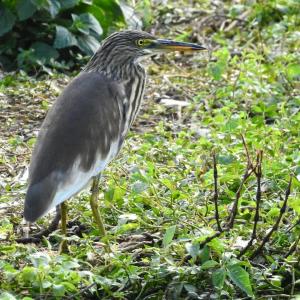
<point x="216" y="195"/>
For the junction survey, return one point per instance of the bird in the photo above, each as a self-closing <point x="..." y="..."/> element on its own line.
<point x="87" y="124"/>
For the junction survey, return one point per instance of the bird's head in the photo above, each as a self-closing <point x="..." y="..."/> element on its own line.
<point x="122" y="50"/>
<point x="139" y="44"/>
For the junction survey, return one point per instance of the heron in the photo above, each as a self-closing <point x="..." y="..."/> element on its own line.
<point x="86" y="126"/>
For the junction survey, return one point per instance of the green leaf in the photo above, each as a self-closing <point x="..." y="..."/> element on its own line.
<point x="106" y="12"/>
<point x="190" y="288"/>
<point x="204" y="254"/>
<point x="293" y="70"/>
<point x="139" y="186"/>
<point x="217" y="246"/>
<point x="64" y="38"/>
<point x="39" y="259"/>
<point x="69" y="286"/>
<point x="218" y="278"/>
<point x="193" y="249"/>
<point x="88" y="44"/>
<point x="66" y="4"/>
<point x="41" y="4"/>
<point x="112" y="9"/>
<point x="295" y="204"/>
<point x="54" y="7"/>
<point x="226" y="159"/>
<point x="168" y="236"/>
<point x="44" y="52"/>
<point x="46" y="284"/>
<point x="7" y="20"/>
<point x="7" y="296"/>
<point x="240" y="277"/>
<point x="58" y="290"/>
<point x="216" y="70"/>
<point x="88" y="21"/>
<point x="25" y="9"/>
<point x="209" y="264"/>
<point x="79" y="25"/>
<point x="29" y="274"/>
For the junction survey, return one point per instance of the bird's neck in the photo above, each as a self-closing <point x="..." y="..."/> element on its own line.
<point x="116" y="68"/>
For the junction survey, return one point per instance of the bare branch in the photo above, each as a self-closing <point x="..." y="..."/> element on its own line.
<point x="258" y="173"/>
<point x="216" y="194"/>
<point x="275" y="227"/>
<point x="81" y="291"/>
<point x="249" y="161"/>
<point x="210" y="238"/>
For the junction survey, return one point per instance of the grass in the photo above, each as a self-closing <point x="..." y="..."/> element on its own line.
<point x="157" y="197"/>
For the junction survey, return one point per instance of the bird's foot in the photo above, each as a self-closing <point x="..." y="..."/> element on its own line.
<point x="37" y="237"/>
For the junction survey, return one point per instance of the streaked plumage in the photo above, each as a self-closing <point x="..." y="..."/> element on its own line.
<point x="86" y="127"/>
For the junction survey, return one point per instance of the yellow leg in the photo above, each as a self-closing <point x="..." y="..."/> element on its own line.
<point x="95" y="206"/>
<point x="63" y="247"/>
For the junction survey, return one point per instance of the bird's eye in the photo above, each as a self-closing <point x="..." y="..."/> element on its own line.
<point x="140" y="42"/>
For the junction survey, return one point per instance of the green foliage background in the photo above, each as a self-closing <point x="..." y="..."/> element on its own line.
<point x="38" y="34"/>
<point x="157" y="197"/>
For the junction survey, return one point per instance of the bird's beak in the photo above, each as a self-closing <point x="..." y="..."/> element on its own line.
<point x="169" y="45"/>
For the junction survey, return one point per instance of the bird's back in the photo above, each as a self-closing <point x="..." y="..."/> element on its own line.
<point x="79" y="136"/>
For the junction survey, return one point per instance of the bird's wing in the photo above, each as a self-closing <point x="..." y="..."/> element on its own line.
<point x="79" y="136"/>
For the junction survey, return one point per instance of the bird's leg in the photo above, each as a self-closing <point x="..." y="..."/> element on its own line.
<point x="95" y="206"/>
<point x="63" y="247"/>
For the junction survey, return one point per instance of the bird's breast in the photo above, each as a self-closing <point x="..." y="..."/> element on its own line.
<point x="135" y="91"/>
<point x="78" y="178"/>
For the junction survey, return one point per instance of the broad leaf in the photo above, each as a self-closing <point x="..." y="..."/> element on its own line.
<point x="44" y="52"/>
<point x="88" y="44"/>
<point x="218" y="278"/>
<point x="7" y="296"/>
<point x="64" y="38"/>
<point x="209" y="264"/>
<point x="25" y="9"/>
<point x="293" y="70"/>
<point x="169" y="234"/>
<point x="92" y="23"/>
<point x="80" y="25"/>
<point x="54" y="7"/>
<point x="66" y="4"/>
<point x="7" y="20"/>
<point x="240" y="277"/>
<point x="106" y="12"/>
<point x="58" y="290"/>
<point x="193" y="249"/>
<point x="29" y="274"/>
<point x="204" y="254"/>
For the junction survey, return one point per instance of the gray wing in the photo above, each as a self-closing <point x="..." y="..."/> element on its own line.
<point x="80" y="127"/>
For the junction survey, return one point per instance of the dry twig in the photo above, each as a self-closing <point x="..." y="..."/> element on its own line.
<point x="210" y="238"/>
<point x="258" y="173"/>
<point x="216" y="195"/>
<point x="275" y="227"/>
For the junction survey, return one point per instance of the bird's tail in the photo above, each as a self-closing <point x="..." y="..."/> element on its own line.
<point x="38" y="200"/>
